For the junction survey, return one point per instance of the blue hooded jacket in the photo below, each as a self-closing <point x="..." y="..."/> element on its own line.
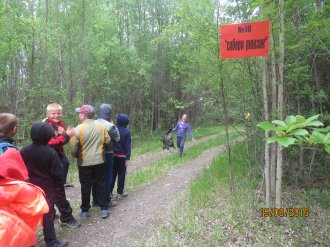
<point x="123" y="147"/>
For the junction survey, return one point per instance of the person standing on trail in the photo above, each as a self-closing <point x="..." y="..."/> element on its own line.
<point x="122" y="152"/>
<point x="104" y="117"/>
<point x="87" y="145"/>
<point x="181" y="129"/>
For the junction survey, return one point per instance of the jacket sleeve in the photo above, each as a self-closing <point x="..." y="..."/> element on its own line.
<point x="74" y="142"/>
<point x="59" y="141"/>
<point x="190" y="132"/>
<point x="127" y="145"/>
<point x="107" y="138"/>
<point x="176" y="127"/>
<point x="114" y="133"/>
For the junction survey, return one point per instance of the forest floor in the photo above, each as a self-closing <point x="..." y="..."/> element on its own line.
<point x="135" y="216"/>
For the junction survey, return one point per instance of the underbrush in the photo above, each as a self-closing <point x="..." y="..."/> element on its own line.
<point x="211" y="215"/>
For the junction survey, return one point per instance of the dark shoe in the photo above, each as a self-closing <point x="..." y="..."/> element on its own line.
<point x="68" y="185"/>
<point x="59" y="243"/>
<point x="122" y="195"/>
<point x="84" y="215"/>
<point x="72" y="224"/>
<point x="104" y="213"/>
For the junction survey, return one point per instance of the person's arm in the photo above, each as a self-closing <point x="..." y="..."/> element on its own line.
<point x="114" y="133"/>
<point x="190" y="133"/>
<point x="127" y="146"/>
<point x="176" y="127"/>
<point x="75" y="143"/>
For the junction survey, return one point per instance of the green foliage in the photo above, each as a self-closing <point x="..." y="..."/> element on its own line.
<point x="298" y="130"/>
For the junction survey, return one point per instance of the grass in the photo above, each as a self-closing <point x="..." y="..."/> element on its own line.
<point x="155" y="170"/>
<point x="211" y="215"/>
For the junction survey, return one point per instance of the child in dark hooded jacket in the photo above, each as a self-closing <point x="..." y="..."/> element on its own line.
<point x="122" y="154"/>
<point x="45" y="170"/>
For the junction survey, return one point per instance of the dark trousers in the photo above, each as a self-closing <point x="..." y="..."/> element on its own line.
<point x="92" y="176"/>
<point x="119" y="169"/>
<point x="49" y="229"/>
<point x="180" y="144"/>
<point x="65" y="166"/>
<point x="48" y="219"/>
<point x="108" y="178"/>
<point x="65" y="209"/>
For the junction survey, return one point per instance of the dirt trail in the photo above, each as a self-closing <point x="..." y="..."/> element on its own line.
<point x="145" y="159"/>
<point x="142" y="211"/>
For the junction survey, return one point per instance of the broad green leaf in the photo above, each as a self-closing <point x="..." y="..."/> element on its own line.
<point x="316" y="138"/>
<point x="300" y="119"/>
<point x="280" y="132"/>
<point x="327" y="139"/>
<point x="315" y="123"/>
<point x="279" y="122"/>
<point x="266" y="126"/>
<point x="310" y="119"/>
<point x="284" y="140"/>
<point x="298" y="132"/>
<point x="327" y="149"/>
<point x="290" y="120"/>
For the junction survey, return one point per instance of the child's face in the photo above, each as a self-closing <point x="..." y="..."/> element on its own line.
<point x="54" y="115"/>
<point x="184" y="118"/>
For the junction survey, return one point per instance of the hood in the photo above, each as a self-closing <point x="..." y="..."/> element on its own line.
<point x="105" y="112"/>
<point x="41" y="133"/>
<point x="122" y="120"/>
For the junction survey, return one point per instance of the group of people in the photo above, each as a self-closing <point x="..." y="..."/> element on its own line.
<point x="101" y="148"/>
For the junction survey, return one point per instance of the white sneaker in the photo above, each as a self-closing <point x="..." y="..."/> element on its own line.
<point x="124" y="194"/>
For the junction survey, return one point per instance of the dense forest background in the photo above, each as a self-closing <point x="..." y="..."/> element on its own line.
<point x="155" y="59"/>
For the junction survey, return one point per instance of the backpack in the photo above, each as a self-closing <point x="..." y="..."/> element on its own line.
<point x="5" y="145"/>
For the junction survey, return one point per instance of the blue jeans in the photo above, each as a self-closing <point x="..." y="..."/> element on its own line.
<point x="108" y="178"/>
<point x="180" y="144"/>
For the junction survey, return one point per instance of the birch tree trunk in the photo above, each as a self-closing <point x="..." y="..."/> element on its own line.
<point x="280" y="104"/>
<point x="266" y="116"/>
<point x="274" y="111"/>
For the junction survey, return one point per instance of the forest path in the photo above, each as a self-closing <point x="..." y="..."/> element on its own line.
<point x="142" y="211"/>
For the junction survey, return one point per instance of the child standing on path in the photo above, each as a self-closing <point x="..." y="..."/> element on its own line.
<point x="181" y="128"/>
<point x="62" y="136"/>
<point x="104" y="117"/>
<point x="87" y="146"/>
<point x="45" y="171"/>
<point x="122" y="153"/>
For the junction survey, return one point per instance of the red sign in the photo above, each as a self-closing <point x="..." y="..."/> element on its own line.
<point x="249" y="39"/>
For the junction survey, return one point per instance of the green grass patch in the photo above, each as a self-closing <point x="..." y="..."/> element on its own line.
<point x="155" y="170"/>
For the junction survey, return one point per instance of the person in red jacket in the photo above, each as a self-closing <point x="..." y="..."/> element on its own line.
<point x="62" y="136"/>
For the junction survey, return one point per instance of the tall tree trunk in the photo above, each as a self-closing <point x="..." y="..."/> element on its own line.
<point x="59" y="48"/>
<point x="280" y="105"/>
<point x="266" y="116"/>
<point x="274" y="111"/>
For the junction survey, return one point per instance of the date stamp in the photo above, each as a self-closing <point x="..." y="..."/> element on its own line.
<point x="284" y="212"/>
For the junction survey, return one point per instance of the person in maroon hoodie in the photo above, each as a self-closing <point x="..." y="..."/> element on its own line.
<point x="62" y="136"/>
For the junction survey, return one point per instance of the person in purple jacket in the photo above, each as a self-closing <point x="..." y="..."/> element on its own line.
<point x="181" y="129"/>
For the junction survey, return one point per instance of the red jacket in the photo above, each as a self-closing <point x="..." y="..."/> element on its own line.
<point x="58" y="141"/>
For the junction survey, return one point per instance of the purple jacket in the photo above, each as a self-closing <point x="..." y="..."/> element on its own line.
<point x="182" y="129"/>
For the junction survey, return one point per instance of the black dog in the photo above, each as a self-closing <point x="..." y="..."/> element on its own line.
<point x="167" y="140"/>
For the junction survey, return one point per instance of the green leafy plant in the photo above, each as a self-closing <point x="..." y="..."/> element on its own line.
<point x="298" y="130"/>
